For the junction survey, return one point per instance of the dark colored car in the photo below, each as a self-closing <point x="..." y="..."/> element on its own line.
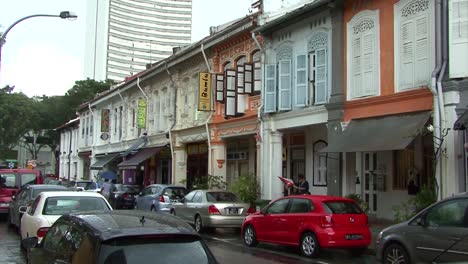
<point x="160" y="197"/>
<point x="11" y="182"/>
<point x="119" y="237"/>
<point x="438" y="234"/>
<point x="123" y="196"/>
<point x="310" y="222"/>
<point x="25" y="197"/>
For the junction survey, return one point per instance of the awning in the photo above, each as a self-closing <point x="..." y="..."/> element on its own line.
<point x="102" y="161"/>
<point x="462" y="121"/>
<point x="135" y="161"/>
<point x="379" y="134"/>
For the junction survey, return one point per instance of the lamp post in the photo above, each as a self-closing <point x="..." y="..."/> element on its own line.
<point x="63" y="15"/>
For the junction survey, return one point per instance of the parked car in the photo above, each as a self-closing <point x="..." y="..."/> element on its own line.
<point x="12" y="180"/>
<point x="88" y="186"/>
<point x="119" y="237"/>
<point x="49" y="206"/>
<point x="25" y="197"/>
<point x="212" y="209"/>
<point x="437" y="234"/>
<point x="123" y="196"/>
<point x="310" y="222"/>
<point x="160" y="197"/>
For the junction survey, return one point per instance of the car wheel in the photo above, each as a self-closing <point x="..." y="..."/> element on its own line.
<point x="198" y="224"/>
<point x="395" y="253"/>
<point x="173" y="212"/>
<point x="309" y="245"/>
<point x="10" y="223"/>
<point x="153" y="209"/>
<point x="250" y="237"/>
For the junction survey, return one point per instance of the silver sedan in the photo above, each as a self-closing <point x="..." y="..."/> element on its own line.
<point x="212" y="209"/>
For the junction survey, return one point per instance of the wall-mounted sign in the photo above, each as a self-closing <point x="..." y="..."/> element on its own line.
<point x="105" y="120"/>
<point x="204" y="95"/>
<point x="141" y="123"/>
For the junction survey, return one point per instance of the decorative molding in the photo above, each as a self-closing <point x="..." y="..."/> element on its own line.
<point x="415" y="7"/>
<point x="318" y="40"/>
<point x="363" y="26"/>
<point x="392" y="98"/>
<point x="284" y="51"/>
<point x="249" y="129"/>
<point x="220" y="163"/>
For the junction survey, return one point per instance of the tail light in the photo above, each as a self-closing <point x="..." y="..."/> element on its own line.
<point x="212" y="210"/>
<point x="125" y="195"/>
<point x="161" y="199"/>
<point x="251" y="210"/>
<point x="326" y="221"/>
<point x="41" y="232"/>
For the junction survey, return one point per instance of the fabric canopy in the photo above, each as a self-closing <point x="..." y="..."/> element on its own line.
<point x="379" y="134"/>
<point x="102" y="161"/>
<point x="110" y="175"/>
<point x="133" y="162"/>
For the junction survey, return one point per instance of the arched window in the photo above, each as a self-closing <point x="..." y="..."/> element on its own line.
<point x="363" y="68"/>
<point x="317" y="88"/>
<point x="320" y="164"/>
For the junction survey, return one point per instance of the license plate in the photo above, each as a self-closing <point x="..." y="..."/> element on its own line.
<point x="233" y="211"/>
<point x="353" y="237"/>
<point x="4" y="205"/>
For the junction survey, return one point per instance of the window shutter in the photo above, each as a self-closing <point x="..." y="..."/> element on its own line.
<point x="407" y="55"/>
<point x="157" y="113"/>
<point x="458" y="37"/>
<point x="219" y="87"/>
<point x="300" y="93"/>
<point x="311" y="86"/>
<point x="248" y="78"/>
<point x="368" y="83"/>
<point x="257" y="75"/>
<point x="241" y="100"/>
<point x="270" y="88"/>
<point x="284" y="85"/>
<point x="230" y="108"/>
<point x="321" y="92"/>
<point x="356" y="89"/>
<point x="422" y="51"/>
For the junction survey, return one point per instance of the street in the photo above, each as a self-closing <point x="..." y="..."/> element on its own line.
<point x="225" y="244"/>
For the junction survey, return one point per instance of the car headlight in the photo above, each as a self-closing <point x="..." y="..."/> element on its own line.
<point x="379" y="237"/>
<point x="116" y="196"/>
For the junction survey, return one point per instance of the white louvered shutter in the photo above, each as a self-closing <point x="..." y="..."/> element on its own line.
<point x="270" y="88"/>
<point x="367" y="65"/>
<point x="458" y="35"/>
<point x="300" y="88"/>
<point x="157" y="113"/>
<point x="240" y="81"/>
<point x="219" y="87"/>
<point x="231" y="93"/>
<point x="356" y="89"/>
<point x="284" y="85"/>
<point x="257" y="76"/>
<point x="248" y="78"/>
<point x="406" y="55"/>
<point x="321" y="92"/>
<point x="421" y="52"/>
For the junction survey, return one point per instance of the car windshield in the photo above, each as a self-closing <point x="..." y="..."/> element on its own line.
<point x="87" y="185"/>
<point x="341" y="207"/>
<point x="64" y="205"/>
<point x="129" y="188"/>
<point x="175" y="192"/>
<point x="37" y="191"/>
<point x="221" y="197"/>
<point x="136" y="250"/>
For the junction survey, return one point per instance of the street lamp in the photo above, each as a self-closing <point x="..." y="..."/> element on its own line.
<point x="63" y="15"/>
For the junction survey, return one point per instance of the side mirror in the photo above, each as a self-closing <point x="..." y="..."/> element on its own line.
<point x="23" y="209"/>
<point x="13" y="197"/>
<point x="30" y="242"/>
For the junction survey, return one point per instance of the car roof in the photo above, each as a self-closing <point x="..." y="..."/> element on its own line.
<point x="68" y="194"/>
<point x="46" y="186"/>
<point x="320" y="198"/>
<point x="166" y="185"/>
<point x="121" y="223"/>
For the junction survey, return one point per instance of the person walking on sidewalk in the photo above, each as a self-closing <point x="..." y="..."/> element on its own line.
<point x="303" y="186"/>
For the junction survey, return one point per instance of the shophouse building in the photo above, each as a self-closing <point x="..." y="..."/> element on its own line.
<point x="68" y="148"/>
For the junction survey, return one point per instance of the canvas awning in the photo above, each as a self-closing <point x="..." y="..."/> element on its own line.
<point x="103" y="161"/>
<point x="143" y="154"/>
<point x="379" y="134"/>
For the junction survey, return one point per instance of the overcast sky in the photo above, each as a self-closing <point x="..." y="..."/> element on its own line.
<point x="45" y="55"/>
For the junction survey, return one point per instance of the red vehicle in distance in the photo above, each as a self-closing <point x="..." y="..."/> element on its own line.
<point x="12" y="180"/>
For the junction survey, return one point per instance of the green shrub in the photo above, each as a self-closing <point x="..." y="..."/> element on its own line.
<point x="425" y="197"/>
<point x="246" y="188"/>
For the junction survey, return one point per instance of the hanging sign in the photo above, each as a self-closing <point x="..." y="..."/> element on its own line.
<point x="105" y="120"/>
<point x="204" y="95"/>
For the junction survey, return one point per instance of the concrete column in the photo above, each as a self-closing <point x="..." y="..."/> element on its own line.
<point x="218" y="154"/>
<point x="272" y="187"/>
<point x="180" y="165"/>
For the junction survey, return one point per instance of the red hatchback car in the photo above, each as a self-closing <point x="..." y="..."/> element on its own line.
<point x="311" y="222"/>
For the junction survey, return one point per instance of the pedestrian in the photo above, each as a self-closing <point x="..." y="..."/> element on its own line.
<point x="105" y="188"/>
<point x="303" y="186"/>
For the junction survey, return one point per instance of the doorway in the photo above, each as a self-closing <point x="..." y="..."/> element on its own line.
<point x="370" y="180"/>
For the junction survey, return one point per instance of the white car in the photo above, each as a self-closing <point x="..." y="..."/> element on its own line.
<point x="50" y="206"/>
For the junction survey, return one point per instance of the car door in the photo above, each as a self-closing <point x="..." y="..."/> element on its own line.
<point x="143" y="199"/>
<point x="52" y="247"/>
<point x="295" y="219"/>
<point x="194" y="206"/>
<point x="19" y="200"/>
<point x="28" y="224"/>
<point x="273" y="216"/>
<point x="442" y="235"/>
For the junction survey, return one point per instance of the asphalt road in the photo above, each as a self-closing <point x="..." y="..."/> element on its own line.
<point x="225" y="244"/>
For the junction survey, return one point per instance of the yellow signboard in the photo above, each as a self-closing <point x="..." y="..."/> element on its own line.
<point x="141" y="123"/>
<point x="204" y="95"/>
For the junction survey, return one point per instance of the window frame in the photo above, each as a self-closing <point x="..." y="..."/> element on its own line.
<point x="316" y="168"/>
